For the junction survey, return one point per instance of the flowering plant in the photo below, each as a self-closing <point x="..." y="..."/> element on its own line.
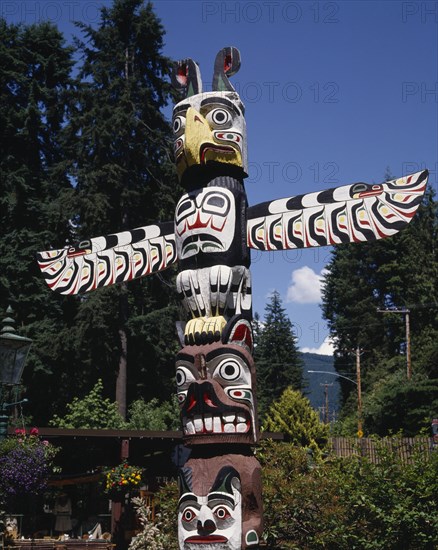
<point x="26" y="462"/>
<point x="122" y="478"/>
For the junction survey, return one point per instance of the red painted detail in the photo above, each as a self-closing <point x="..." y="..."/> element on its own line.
<point x="242" y="334"/>
<point x="228" y="63"/>
<point x="211" y="539"/>
<point x="217" y="148"/>
<point x="192" y="403"/>
<point x="198" y="224"/>
<point x="208" y="401"/>
<point x="183" y="70"/>
<point x="375" y="190"/>
<point x="381" y="234"/>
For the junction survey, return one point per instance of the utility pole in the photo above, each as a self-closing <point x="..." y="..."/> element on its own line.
<point x="358" y="352"/>
<point x="326" y="399"/>
<point x="404" y="311"/>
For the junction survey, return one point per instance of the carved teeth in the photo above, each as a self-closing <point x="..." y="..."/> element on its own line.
<point x="207" y="423"/>
<point x="217" y="424"/>
<point x="199" y="424"/>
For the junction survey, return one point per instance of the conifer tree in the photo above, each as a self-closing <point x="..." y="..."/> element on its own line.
<point x="398" y="272"/>
<point x="292" y="415"/>
<point x="276" y="355"/>
<point x="123" y="179"/>
<point x="35" y="67"/>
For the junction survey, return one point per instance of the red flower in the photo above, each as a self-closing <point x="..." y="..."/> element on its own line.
<point x="34" y="431"/>
<point x="20" y="431"/>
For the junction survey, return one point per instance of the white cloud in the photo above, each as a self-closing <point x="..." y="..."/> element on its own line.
<point x="326" y="348"/>
<point x="305" y="287"/>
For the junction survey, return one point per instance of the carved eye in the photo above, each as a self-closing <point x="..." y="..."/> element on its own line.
<point x="221" y="512"/>
<point x="216" y="203"/>
<point x="359" y="188"/>
<point x="219" y="117"/>
<point x="188" y="515"/>
<point x="180" y="377"/>
<point x="179" y="123"/>
<point x="229" y="370"/>
<point x="184" y="208"/>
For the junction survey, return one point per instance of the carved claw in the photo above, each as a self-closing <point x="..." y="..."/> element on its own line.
<point x="204" y="330"/>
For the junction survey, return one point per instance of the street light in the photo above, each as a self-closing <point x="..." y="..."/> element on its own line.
<point x="13" y="353"/>
<point x="359" y="394"/>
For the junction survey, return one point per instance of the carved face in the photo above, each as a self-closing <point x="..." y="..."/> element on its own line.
<point x="209" y="127"/>
<point x="205" y="222"/>
<point x="215" y="385"/>
<point x="213" y="520"/>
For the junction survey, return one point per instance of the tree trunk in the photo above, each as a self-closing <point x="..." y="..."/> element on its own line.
<point x="122" y="374"/>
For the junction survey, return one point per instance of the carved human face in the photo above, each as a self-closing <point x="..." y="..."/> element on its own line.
<point x="212" y="520"/>
<point x="205" y="221"/>
<point x="209" y="127"/>
<point x="215" y="385"/>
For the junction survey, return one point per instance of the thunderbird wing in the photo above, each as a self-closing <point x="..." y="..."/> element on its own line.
<point x="352" y="213"/>
<point x="104" y="261"/>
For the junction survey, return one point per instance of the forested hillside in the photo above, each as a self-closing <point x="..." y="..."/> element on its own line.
<point x="314" y="383"/>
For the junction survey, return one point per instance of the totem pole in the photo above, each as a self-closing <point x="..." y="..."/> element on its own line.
<point x="220" y="504"/>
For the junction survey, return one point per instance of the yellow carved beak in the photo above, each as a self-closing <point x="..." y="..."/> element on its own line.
<point x="200" y="145"/>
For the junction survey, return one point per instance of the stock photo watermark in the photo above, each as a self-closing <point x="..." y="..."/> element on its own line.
<point x="317" y="255"/>
<point x="420" y="92"/>
<point x="288" y="92"/>
<point x="293" y="172"/>
<point x="270" y="12"/>
<point x="29" y="12"/>
<point x="422" y="12"/>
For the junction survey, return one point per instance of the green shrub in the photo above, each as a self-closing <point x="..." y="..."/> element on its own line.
<point x="349" y="503"/>
<point x="336" y="503"/>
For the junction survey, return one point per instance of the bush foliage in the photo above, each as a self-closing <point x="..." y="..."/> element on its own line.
<point x="293" y="416"/>
<point x="349" y="503"/>
<point x="336" y="503"/>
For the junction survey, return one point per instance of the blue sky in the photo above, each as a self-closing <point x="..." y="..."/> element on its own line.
<point x="335" y="92"/>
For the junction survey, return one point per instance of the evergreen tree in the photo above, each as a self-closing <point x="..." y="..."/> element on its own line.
<point x="276" y="355"/>
<point x="400" y="272"/>
<point x="293" y="415"/>
<point x="35" y="191"/>
<point x="119" y="141"/>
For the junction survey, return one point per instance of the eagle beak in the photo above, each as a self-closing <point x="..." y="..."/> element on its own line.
<point x="201" y="146"/>
<point x="197" y="133"/>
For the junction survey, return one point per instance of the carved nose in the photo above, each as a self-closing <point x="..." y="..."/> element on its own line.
<point x="206" y="528"/>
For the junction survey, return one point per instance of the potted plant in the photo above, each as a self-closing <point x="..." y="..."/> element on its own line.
<point x="121" y="479"/>
<point x="26" y="463"/>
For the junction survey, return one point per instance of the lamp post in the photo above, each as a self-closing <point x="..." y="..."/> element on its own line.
<point x="359" y="394"/>
<point x="13" y="354"/>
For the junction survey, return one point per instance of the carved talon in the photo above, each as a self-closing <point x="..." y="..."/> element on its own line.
<point x="204" y="330"/>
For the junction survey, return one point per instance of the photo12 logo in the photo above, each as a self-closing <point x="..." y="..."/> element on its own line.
<point x="270" y="12"/>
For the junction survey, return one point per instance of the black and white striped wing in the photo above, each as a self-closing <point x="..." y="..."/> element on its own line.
<point x="351" y="213"/>
<point x="104" y="261"/>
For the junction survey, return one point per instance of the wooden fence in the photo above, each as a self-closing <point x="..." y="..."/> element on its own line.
<point x="405" y="447"/>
